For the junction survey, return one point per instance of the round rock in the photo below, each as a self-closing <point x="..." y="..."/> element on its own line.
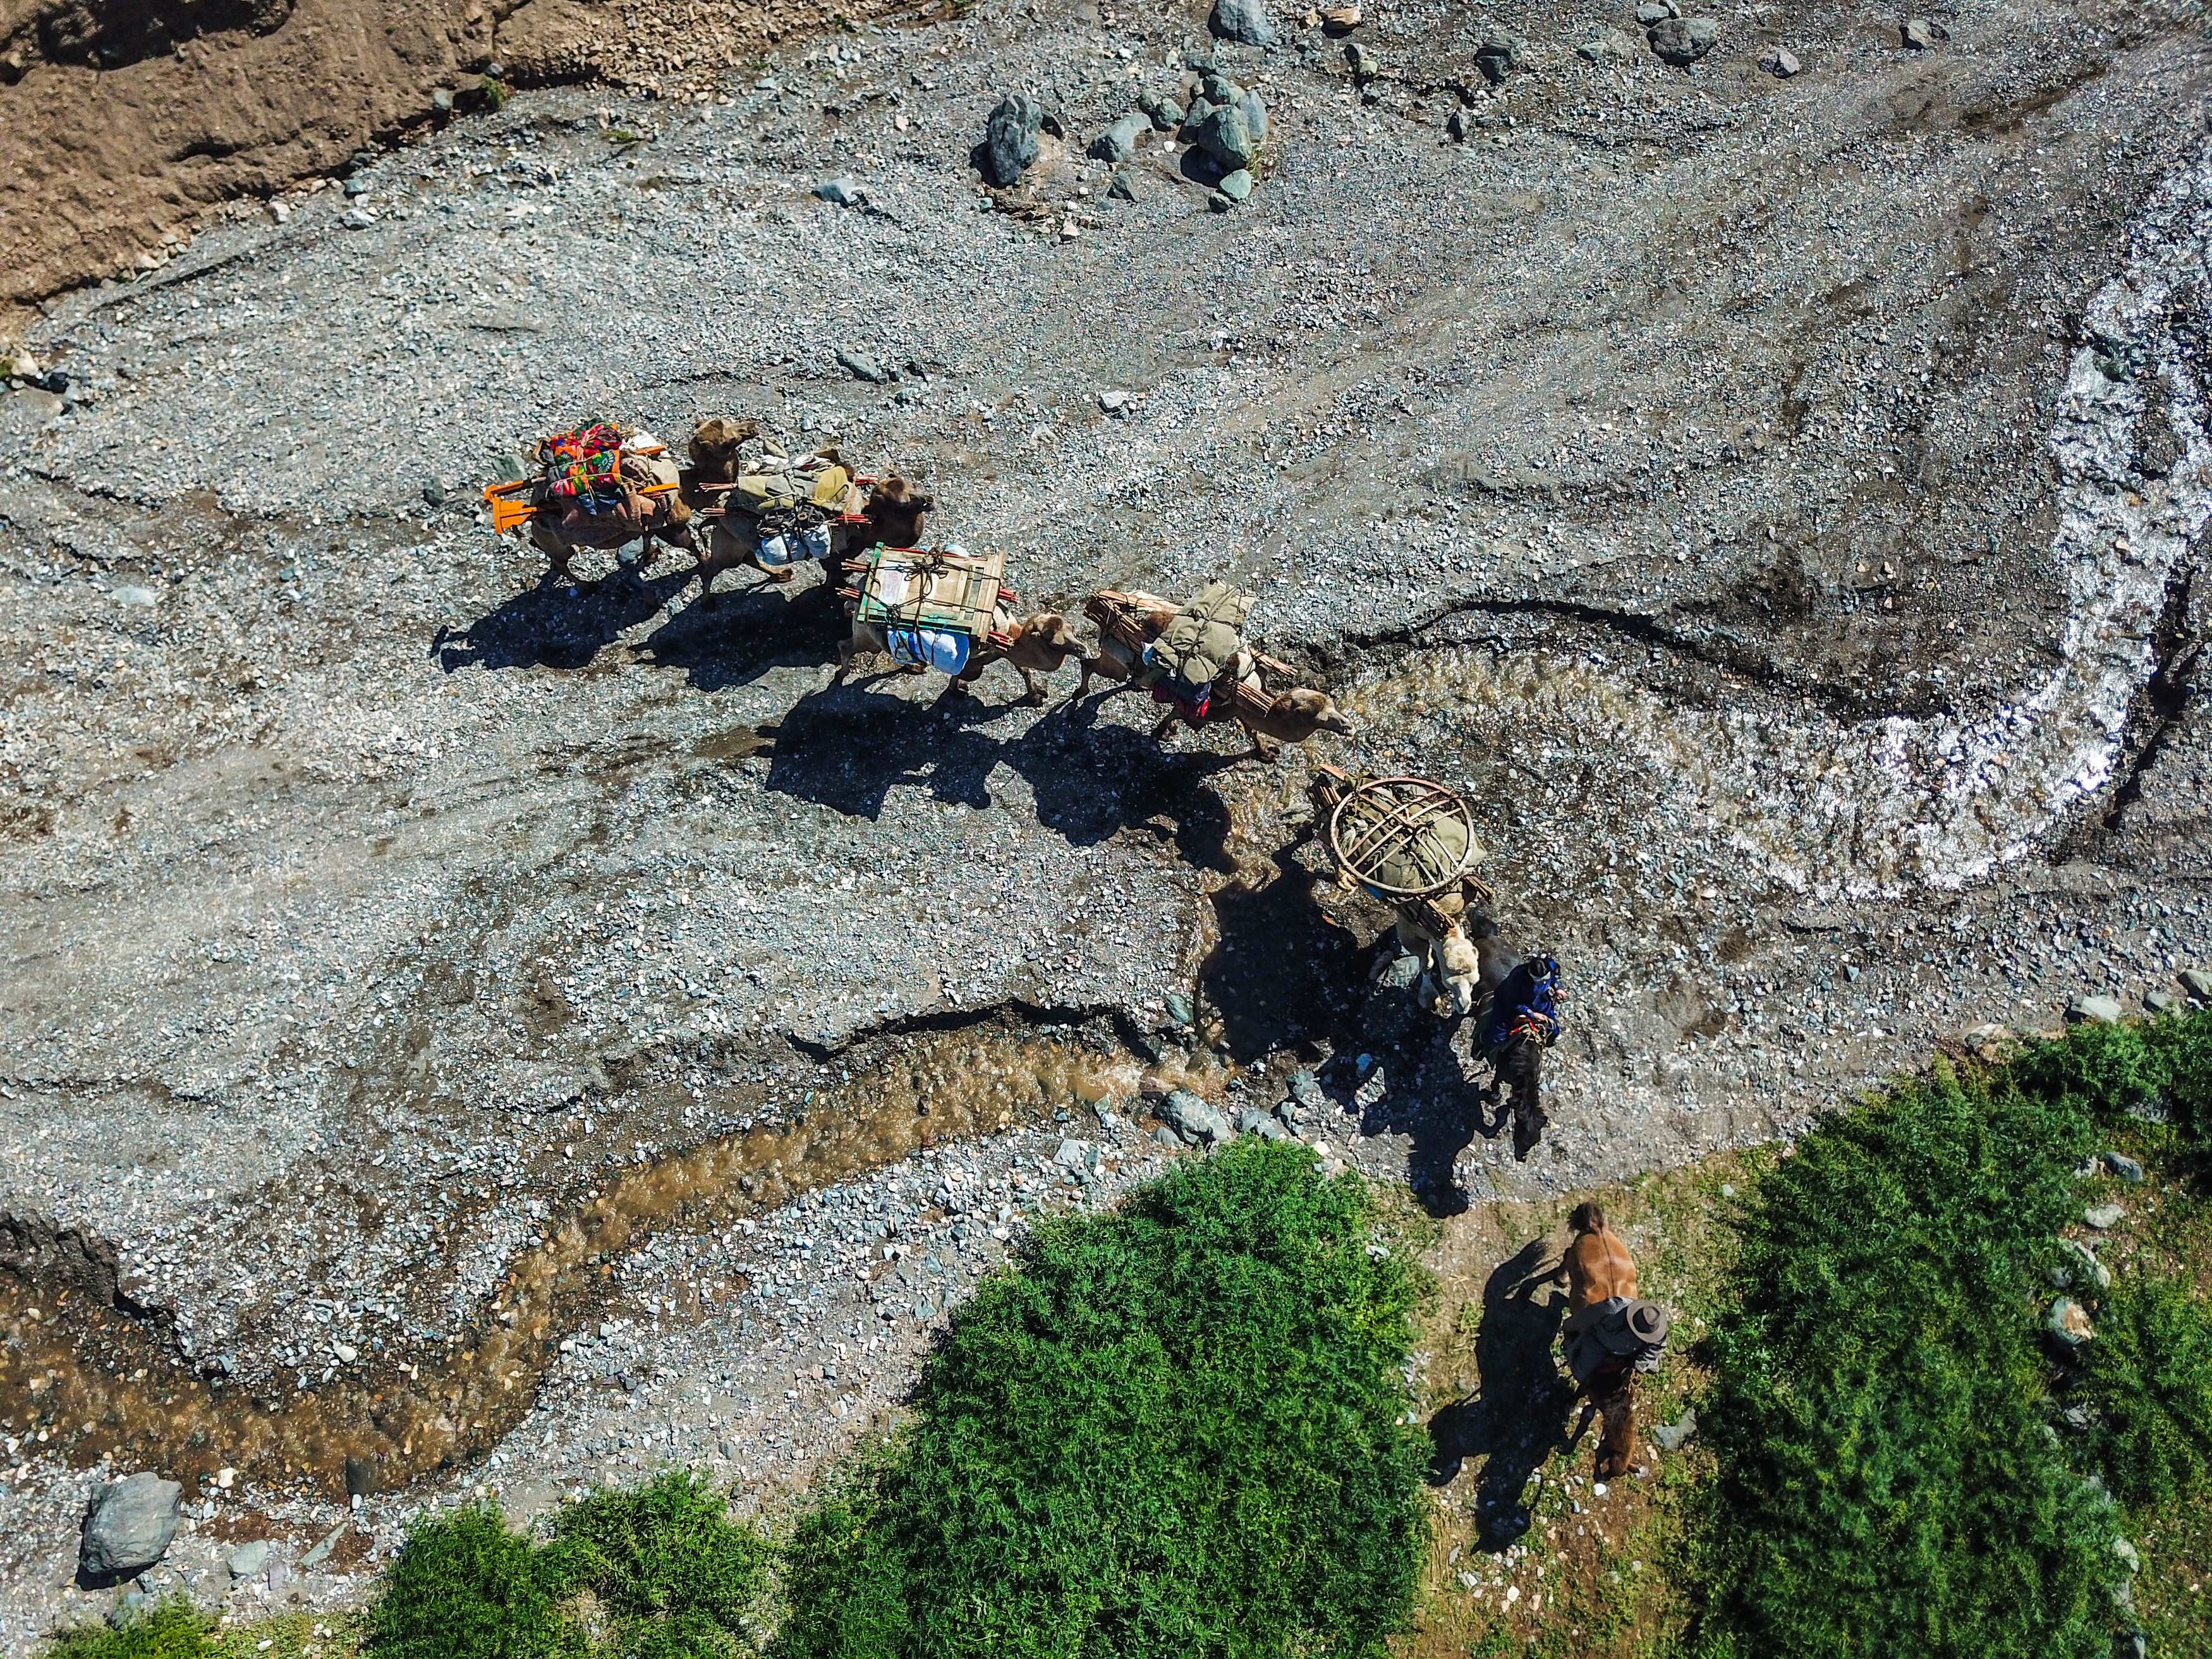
<point x="1244" y="21"/>
<point x="127" y="1527"/>
<point x="1682" y="40"/>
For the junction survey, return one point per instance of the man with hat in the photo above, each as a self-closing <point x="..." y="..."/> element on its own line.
<point x="1610" y="1334"/>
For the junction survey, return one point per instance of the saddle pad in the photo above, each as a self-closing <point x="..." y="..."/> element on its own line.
<point x="776" y="549"/>
<point x="925" y="588"/>
<point x="929" y="648"/>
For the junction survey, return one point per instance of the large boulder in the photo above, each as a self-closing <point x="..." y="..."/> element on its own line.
<point x="1225" y="135"/>
<point x="127" y="1527"/>
<point x="1682" y="40"/>
<point x="1194" y="1120"/>
<point x="1009" y="138"/>
<point x="1499" y="54"/>
<point x="1244" y="20"/>
<point x="1119" y="142"/>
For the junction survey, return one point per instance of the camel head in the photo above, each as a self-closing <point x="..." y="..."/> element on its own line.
<point x="1306" y="711"/>
<point x="1462" y="971"/>
<point x="1048" y="634"/>
<point x="714" y="445"/>
<point x="894" y="511"/>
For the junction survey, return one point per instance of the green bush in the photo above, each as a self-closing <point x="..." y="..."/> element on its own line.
<point x="2149" y="1377"/>
<point x="1175" y="1430"/>
<point x="676" y="1575"/>
<point x="173" y="1629"/>
<point x="464" y="1586"/>
<point x="1887" y="1480"/>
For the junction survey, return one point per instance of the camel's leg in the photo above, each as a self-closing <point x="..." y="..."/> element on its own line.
<point x="1166" y="727"/>
<point x="1259" y="749"/>
<point x="1032" y="693"/>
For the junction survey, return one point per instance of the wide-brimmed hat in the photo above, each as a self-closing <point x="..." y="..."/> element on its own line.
<point x="1640" y="1325"/>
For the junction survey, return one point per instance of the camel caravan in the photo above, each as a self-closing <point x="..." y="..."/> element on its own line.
<point x="746" y="501"/>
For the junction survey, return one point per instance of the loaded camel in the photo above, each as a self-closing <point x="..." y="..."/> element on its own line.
<point x="1037" y="644"/>
<point x="1129" y="622"/>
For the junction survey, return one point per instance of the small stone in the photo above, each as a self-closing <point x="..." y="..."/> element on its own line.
<point x="2069" y="1323"/>
<point x="1166" y="1136"/>
<point x="2160" y="1001"/>
<point x="127" y="1527"/>
<point x="1113" y="402"/>
<point x="441" y="99"/>
<point x="2097" y="1010"/>
<point x="1123" y="188"/>
<point x="1193" y="1118"/>
<point x="1682" y="40"/>
<point x="2103" y="1217"/>
<point x="250" y="1560"/>
<point x="841" y="191"/>
<point x="1164" y="114"/>
<point x="1119" y="142"/>
<point x="1603" y="46"/>
<point x="1921" y="35"/>
<point x="862" y="366"/>
<point x="2198" y="983"/>
<point x="131" y="594"/>
<point x="1779" y="62"/>
<point x="1655" y="11"/>
<point x="1179" y="1008"/>
<point x="2086" y="1264"/>
<point x="1305" y="1089"/>
<point x="1242" y="20"/>
<point x="1252" y="1122"/>
<point x="1499" y="54"/>
<point x="434" y="493"/>
<point x="1362" y="63"/>
<point x="1236" y="186"/>
<point x="357" y="218"/>
<point x="1371" y="1091"/>
<point x="280" y="211"/>
<point x="1672" y="1437"/>
<point x="1456" y="125"/>
<point x="1010" y="137"/>
<point x="355" y="188"/>
<point x="2124" y="1167"/>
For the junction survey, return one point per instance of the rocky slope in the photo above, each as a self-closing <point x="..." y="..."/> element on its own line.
<point x="1779" y="502"/>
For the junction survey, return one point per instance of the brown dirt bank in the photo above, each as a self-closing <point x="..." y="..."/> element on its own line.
<point x="127" y="119"/>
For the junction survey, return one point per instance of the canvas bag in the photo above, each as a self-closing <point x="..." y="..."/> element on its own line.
<point x="1204" y="637"/>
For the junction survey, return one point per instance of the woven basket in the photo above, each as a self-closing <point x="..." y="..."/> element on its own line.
<point x="1404" y="838"/>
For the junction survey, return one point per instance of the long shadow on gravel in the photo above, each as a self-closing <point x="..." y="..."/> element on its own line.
<point x="1283" y="974"/>
<point x="846" y="749"/>
<point x="747" y="632"/>
<point x="1516" y="1417"/>
<point x="553" y="626"/>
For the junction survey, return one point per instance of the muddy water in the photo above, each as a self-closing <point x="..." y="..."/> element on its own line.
<point x="150" y="1412"/>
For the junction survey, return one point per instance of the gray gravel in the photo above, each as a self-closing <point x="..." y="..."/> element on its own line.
<point x="1776" y="501"/>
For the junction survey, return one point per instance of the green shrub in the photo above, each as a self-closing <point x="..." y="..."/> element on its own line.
<point x="173" y="1629"/>
<point x="1175" y="1430"/>
<point x="679" y="1578"/>
<point x="1887" y="1482"/>
<point x="2149" y="1377"/>
<point x="464" y="1586"/>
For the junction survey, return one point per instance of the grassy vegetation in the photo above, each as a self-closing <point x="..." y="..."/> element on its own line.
<point x="1178" y="1430"/>
<point x="1185" y="1428"/>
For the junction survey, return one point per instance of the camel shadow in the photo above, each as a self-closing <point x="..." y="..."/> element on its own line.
<point x="747" y="631"/>
<point x="1516" y="1417"/>
<point x="847" y="749"/>
<point x="553" y="625"/>
<point x="1277" y="977"/>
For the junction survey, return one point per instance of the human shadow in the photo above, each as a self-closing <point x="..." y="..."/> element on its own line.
<point x="1516" y="1417"/>
<point x="847" y="747"/>
<point x="747" y="631"/>
<point x="556" y="625"/>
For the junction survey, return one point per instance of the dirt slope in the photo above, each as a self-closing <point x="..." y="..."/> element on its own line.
<point x="127" y="120"/>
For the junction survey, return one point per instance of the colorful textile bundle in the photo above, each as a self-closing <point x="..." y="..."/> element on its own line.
<point x="584" y="463"/>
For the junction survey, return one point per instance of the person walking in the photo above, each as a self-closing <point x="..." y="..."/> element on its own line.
<point x="1610" y="1335"/>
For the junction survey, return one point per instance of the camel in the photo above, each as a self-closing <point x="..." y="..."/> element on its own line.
<point x="892" y="516"/>
<point x="1038" y="644"/>
<point x="1452" y="965"/>
<point x="1116" y="659"/>
<point x="640" y="518"/>
<point x="1286" y="717"/>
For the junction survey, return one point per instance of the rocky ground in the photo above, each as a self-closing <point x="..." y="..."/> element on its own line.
<point x="1778" y="502"/>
